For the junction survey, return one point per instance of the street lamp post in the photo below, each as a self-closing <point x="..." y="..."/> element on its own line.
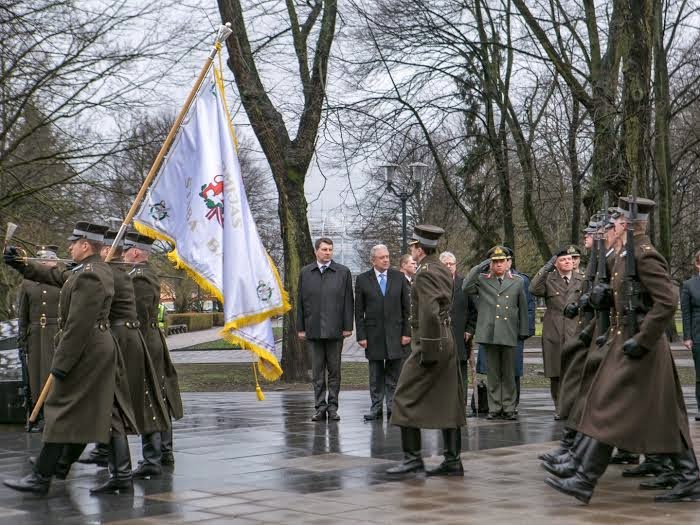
<point x="417" y="170"/>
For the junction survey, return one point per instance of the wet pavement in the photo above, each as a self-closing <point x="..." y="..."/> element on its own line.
<point x="243" y="461"/>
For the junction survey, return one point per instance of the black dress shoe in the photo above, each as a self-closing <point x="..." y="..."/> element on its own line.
<point x="113" y="486"/>
<point x="624" y="458"/>
<point x="34" y="482"/>
<point x="144" y="471"/>
<point x="319" y="416"/>
<point x="333" y="416"/>
<point x="510" y="416"/>
<point x="447" y="468"/>
<point x="407" y="466"/>
<point x="373" y="415"/>
<point x="493" y="415"/>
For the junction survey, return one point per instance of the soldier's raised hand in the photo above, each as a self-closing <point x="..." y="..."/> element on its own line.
<point x="549" y="265"/>
<point x="12" y="258"/>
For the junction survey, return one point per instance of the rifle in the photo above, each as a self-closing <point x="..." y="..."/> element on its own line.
<point x="631" y="276"/>
<point x="602" y="277"/>
<point x="25" y="391"/>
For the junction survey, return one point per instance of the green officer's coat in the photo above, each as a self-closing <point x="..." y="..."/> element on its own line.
<point x="429" y="393"/>
<point x="38" y="324"/>
<point x="147" y="290"/>
<point x="502" y="307"/>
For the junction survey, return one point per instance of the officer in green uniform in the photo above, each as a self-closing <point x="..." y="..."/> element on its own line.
<point x="38" y="323"/>
<point x="429" y="393"/>
<point x="501" y="322"/>
<point x="157" y="446"/>
<point x="86" y="403"/>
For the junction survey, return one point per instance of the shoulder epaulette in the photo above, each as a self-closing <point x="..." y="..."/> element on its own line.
<point x="77" y="268"/>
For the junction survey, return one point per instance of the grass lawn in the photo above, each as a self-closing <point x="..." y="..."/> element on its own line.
<point x="238" y="377"/>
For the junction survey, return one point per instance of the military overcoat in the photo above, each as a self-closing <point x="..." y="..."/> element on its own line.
<point x="38" y="324"/>
<point x="557" y="330"/>
<point x="637" y="403"/>
<point x="147" y="289"/>
<point x="78" y="408"/>
<point x="150" y="410"/>
<point x="430" y="393"/>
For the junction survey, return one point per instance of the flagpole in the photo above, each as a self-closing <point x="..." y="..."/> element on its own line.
<point x="223" y="33"/>
<point x="221" y="36"/>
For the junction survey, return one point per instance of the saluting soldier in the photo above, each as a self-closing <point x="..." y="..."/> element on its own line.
<point x="502" y="321"/>
<point x="430" y="393"/>
<point x="558" y="288"/>
<point x="637" y="381"/>
<point x="157" y="446"/>
<point x="38" y="323"/>
<point x="86" y="403"/>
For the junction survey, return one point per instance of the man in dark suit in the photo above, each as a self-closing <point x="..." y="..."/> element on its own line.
<point x="690" y="310"/>
<point x="382" y="309"/>
<point x="324" y="318"/>
<point x="463" y="315"/>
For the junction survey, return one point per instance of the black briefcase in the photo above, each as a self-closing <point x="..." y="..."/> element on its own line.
<point x="483" y="395"/>
<point x="11" y="409"/>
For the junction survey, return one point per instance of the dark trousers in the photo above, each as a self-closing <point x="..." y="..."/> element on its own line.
<point x="500" y="378"/>
<point x="325" y="356"/>
<point x="383" y="376"/>
<point x="517" y="390"/>
<point x="464" y="373"/>
<point x="554" y="390"/>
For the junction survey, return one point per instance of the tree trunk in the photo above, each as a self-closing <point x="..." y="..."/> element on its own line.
<point x="662" y="119"/>
<point x="575" y="173"/>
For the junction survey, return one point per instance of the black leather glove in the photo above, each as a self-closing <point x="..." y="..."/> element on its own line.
<point x="585" y="336"/>
<point x="12" y="258"/>
<point x="549" y="265"/>
<point x="601" y="297"/>
<point x="571" y="310"/>
<point x="633" y="349"/>
<point x="584" y="303"/>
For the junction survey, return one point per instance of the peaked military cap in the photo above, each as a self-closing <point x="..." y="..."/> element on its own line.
<point x="426" y="235"/>
<point x="509" y="252"/>
<point x="573" y="250"/>
<point x="498" y="253"/>
<point x="47" y="251"/>
<point x="644" y="207"/>
<point x="137" y="240"/>
<point x="110" y="235"/>
<point x="89" y="231"/>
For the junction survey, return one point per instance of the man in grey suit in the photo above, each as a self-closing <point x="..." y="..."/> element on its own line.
<point x="502" y="320"/>
<point x="324" y="318"/>
<point x="382" y="309"/>
<point x="690" y="311"/>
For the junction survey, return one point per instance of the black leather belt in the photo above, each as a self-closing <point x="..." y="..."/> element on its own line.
<point x="126" y="322"/>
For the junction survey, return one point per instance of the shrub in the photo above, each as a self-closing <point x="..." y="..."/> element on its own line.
<point x="194" y="321"/>
<point x="218" y="318"/>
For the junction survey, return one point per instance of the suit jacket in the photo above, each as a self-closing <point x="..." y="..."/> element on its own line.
<point x="502" y="316"/>
<point x="690" y="310"/>
<point x="463" y="314"/>
<point x="382" y="319"/>
<point x="325" y="302"/>
<point x="557" y="330"/>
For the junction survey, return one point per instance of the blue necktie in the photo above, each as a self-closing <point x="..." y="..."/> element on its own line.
<point x="382" y="283"/>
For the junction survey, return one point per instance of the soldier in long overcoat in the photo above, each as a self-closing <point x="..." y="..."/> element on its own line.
<point x="430" y="391"/>
<point x="149" y="408"/>
<point x="637" y="381"/>
<point x="86" y="403"/>
<point x="157" y="446"/>
<point x="38" y="324"/>
<point x="559" y="285"/>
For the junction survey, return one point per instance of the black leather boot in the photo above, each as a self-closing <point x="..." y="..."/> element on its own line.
<point x="688" y="487"/>
<point x="150" y="466"/>
<point x="452" y="464"/>
<point x="664" y="481"/>
<point x="413" y="461"/>
<point x="624" y="457"/>
<point x="98" y="456"/>
<point x="569" y="455"/>
<point x="653" y="465"/>
<point x="565" y="444"/>
<point x="595" y="457"/>
<point x="166" y="447"/>
<point x="120" y="478"/>
<point x="562" y="470"/>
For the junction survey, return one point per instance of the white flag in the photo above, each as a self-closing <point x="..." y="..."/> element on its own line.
<point x="198" y="203"/>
